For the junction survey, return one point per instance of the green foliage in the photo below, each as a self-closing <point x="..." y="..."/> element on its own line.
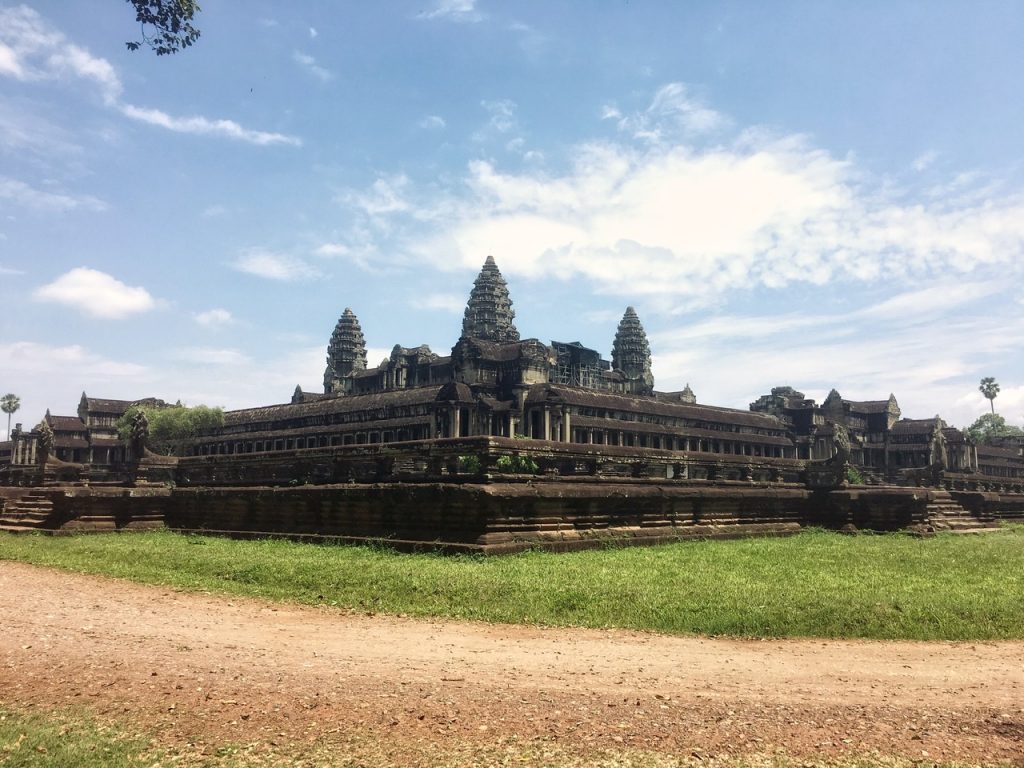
<point x="854" y="476"/>
<point x="991" y="425"/>
<point x="989" y="388"/>
<point x="166" y="25"/>
<point x="816" y="584"/>
<point x="9" y="404"/>
<point x="172" y="427"/>
<point x="469" y="464"/>
<point x="519" y="465"/>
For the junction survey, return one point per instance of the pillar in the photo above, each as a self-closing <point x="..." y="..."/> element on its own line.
<point x="547" y="423"/>
<point x="456" y="421"/>
<point x="566" y="426"/>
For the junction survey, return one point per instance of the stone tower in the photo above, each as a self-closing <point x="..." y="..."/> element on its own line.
<point x="489" y="314"/>
<point x="346" y="354"/>
<point x="631" y="354"/>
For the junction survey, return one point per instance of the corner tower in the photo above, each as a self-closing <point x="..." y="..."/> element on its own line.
<point x="631" y="354"/>
<point x="346" y="354"/>
<point x="489" y="314"/>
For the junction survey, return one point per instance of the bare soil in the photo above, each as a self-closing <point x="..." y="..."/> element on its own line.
<point x="209" y="670"/>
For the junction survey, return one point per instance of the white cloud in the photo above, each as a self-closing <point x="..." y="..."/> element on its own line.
<point x="38" y="199"/>
<point x="10" y="271"/>
<point x="313" y="33"/>
<point x="385" y="196"/>
<point x="273" y="266"/>
<point x="96" y="293"/>
<point x="672" y="110"/>
<point x="309" y="64"/>
<point x="203" y="126"/>
<point x="695" y="223"/>
<point x="214" y="318"/>
<point x="30" y="49"/>
<point x="924" y="160"/>
<point x="446" y="302"/>
<point x="214" y="211"/>
<point x="27" y="357"/>
<point x="503" y="114"/>
<point x="432" y="122"/>
<point x="453" y="10"/>
<point x="33" y="50"/>
<point x="211" y="356"/>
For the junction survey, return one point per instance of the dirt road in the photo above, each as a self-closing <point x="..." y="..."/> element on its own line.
<point x="210" y="669"/>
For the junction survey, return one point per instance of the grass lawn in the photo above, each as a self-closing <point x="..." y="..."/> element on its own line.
<point x="816" y="584"/>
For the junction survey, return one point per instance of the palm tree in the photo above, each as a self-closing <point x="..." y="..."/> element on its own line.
<point x="989" y="388"/>
<point x="9" y="404"/>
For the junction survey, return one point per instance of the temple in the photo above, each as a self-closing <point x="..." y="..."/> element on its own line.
<point x="560" y="410"/>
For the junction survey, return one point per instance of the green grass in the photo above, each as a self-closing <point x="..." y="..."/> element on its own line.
<point x="816" y="584"/>
<point x="32" y="739"/>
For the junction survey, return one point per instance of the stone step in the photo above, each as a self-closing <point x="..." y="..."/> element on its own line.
<point x="7" y="528"/>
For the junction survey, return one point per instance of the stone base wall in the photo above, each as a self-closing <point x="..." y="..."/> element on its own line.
<point x="872" y="508"/>
<point x="492" y="518"/>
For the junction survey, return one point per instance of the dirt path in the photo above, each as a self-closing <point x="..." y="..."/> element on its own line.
<point x="211" y="669"/>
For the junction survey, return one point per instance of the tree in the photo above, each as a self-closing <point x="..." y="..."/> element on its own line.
<point x="170" y="22"/>
<point x="990" y="426"/>
<point x="9" y="403"/>
<point x="170" y="428"/>
<point x="989" y="388"/>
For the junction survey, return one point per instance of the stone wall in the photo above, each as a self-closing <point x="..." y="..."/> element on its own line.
<point x="493" y="517"/>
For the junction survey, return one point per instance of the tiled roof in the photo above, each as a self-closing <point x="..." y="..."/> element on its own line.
<point x="67" y="424"/>
<point x="328" y="405"/>
<point x="638" y="404"/>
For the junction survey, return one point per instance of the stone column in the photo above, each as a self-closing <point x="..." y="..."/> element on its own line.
<point x="456" y="421"/>
<point x="547" y="423"/>
<point x="566" y="426"/>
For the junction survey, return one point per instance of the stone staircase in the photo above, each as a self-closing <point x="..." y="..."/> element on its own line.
<point x="945" y="514"/>
<point x="32" y="512"/>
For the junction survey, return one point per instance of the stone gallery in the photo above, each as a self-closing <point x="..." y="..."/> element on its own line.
<point x="509" y="442"/>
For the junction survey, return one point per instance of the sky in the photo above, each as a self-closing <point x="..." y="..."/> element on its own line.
<point x="813" y="194"/>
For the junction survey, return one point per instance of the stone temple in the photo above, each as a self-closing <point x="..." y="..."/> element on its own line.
<point x="506" y="443"/>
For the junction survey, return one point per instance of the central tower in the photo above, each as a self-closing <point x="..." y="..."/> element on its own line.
<point x="489" y="314"/>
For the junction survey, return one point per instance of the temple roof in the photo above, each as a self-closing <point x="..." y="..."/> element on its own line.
<point x="347" y="404"/>
<point x="66" y="424"/>
<point x="641" y="404"/>
<point x="489" y="314"/>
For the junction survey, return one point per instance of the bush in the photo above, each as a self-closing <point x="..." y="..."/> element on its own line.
<point x="854" y="476"/>
<point x="469" y="465"/>
<point x="519" y="465"/>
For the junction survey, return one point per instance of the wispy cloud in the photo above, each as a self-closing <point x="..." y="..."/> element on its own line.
<point x="96" y="293"/>
<point x="10" y="271"/>
<point x="30" y="49"/>
<point x="202" y="126"/>
<point x="432" y="122"/>
<point x="43" y="200"/>
<point x="33" y="50"/>
<point x="27" y="357"/>
<point x="446" y="302"/>
<point x="385" y="196"/>
<point x="453" y="10"/>
<point x="924" y="161"/>
<point x="672" y="111"/>
<point x="502" y="114"/>
<point x="308" y="63"/>
<point x="214" y="318"/>
<point x="273" y="266"/>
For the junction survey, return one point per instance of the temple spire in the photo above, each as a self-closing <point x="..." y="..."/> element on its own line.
<point x="631" y="353"/>
<point x="489" y="314"/>
<point x="346" y="353"/>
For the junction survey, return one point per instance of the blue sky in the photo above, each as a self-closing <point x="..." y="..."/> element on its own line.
<point x="814" y="194"/>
